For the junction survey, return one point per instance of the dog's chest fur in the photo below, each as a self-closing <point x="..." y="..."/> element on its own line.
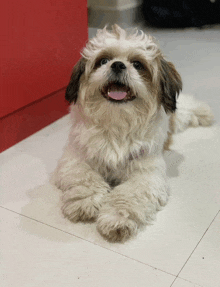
<point x="115" y="152"/>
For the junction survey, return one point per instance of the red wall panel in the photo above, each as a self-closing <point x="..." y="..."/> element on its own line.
<point x="40" y="42"/>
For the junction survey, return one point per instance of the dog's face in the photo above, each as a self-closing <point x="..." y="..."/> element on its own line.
<point x="123" y="70"/>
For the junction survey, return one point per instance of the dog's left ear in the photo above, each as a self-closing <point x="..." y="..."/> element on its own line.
<point x="73" y="87"/>
<point x="170" y="85"/>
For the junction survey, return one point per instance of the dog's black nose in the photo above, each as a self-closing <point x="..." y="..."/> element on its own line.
<point x="118" y="67"/>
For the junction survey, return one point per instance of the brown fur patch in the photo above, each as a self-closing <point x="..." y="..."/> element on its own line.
<point x="171" y="85"/>
<point x="73" y="86"/>
<point x="145" y="72"/>
<point x="169" y="139"/>
<point x="172" y="123"/>
<point x="108" y="54"/>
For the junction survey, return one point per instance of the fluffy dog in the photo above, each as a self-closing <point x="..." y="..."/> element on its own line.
<point x="123" y="110"/>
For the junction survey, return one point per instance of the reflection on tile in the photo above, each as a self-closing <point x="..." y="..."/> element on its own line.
<point x="47" y="145"/>
<point x="204" y="265"/>
<point x="33" y="254"/>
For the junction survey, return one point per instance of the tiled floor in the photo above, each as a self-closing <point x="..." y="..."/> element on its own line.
<point x="181" y="249"/>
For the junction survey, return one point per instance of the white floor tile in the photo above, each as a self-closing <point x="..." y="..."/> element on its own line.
<point x="29" y="163"/>
<point x="203" y="266"/>
<point x="34" y="255"/>
<point x="183" y="283"/>
<point x="193" y="167"/>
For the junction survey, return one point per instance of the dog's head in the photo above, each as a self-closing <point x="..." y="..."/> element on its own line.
<point x="126" y="69"/>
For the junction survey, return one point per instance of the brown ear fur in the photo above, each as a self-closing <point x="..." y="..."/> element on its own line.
<point x="73" y="87"/>
<point x="171" y="85"/>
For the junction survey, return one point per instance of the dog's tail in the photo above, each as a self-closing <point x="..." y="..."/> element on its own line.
<point x="190" y="112"/>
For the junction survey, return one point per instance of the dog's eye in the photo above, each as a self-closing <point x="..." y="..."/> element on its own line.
<point x="137" y="65"/>
<point x="103" y="61"/>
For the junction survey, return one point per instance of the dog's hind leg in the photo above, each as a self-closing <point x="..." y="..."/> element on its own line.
<point x="190" y="112"/>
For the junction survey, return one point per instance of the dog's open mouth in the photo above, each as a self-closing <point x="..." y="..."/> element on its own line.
<point x="117" y="92"/>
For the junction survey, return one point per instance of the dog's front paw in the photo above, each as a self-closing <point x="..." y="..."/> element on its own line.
<point x="80" y="205"/>
<point x="116" y="227"/>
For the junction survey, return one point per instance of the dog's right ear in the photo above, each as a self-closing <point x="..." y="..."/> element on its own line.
<point x="73" y="87"/>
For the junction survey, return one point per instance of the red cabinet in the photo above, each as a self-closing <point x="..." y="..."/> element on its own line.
<point x="40" y="43"/>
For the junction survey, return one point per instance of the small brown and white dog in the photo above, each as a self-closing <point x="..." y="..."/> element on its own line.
<point x="123" y="111"/>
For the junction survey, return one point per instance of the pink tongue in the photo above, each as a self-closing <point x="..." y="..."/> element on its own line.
<point x="117" y="95"/>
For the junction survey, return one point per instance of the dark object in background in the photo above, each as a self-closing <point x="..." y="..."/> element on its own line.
<point x="181" y="13"/>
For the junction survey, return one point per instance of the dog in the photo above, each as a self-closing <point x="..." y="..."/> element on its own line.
<point x="124" y="110"/>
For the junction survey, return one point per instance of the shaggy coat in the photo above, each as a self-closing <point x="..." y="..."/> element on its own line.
<point x="123" y="96"/>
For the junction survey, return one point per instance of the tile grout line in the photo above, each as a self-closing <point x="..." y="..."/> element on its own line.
<point x="187" y="281"/>
<point x="154" y="268"/>
<point x="177" y="276"/>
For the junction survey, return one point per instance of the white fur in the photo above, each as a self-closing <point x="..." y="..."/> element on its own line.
<point x="112" y="169"/>
<point x="191" y="112"/>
